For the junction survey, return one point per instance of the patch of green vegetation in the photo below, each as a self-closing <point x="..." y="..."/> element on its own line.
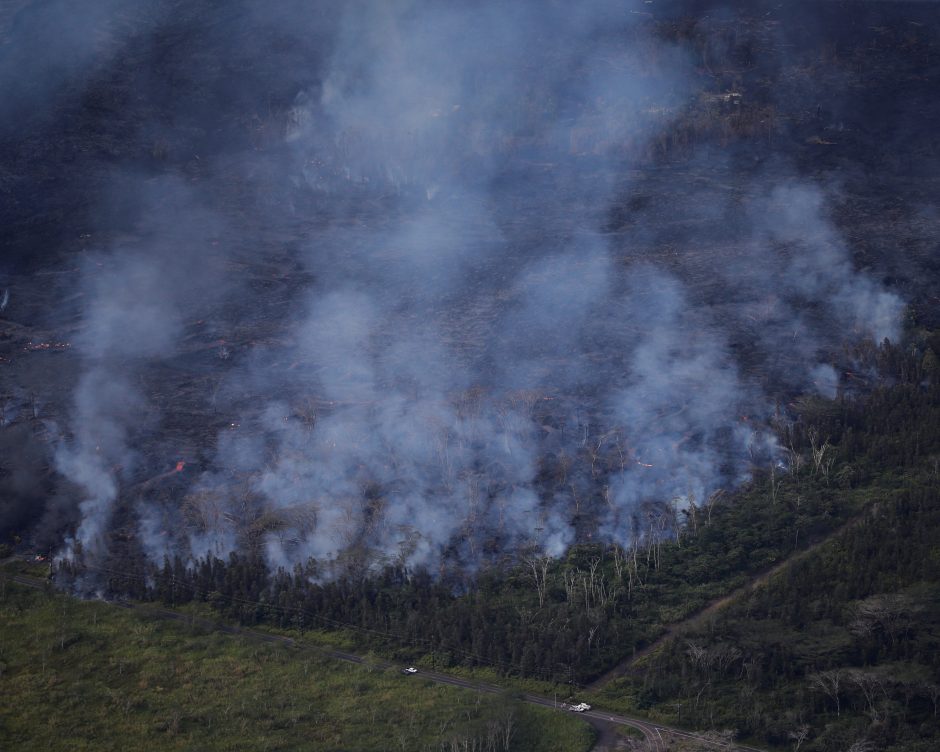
<point x="840" y="649"/>
<point x="628" y="732"/>
<point x="109" y="679"/>
<point x="29" y="567"/>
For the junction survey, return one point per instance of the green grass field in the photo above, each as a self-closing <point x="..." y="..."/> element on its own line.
<point x="88" y="676"/>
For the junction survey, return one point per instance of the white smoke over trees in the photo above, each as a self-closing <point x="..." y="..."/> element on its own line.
<point x="447" y="326"/>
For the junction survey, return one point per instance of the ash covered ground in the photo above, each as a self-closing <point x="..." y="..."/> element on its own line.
<point x="434" y="282"/>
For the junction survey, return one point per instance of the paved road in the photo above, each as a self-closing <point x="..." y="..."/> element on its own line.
<point x="655" y="734"/>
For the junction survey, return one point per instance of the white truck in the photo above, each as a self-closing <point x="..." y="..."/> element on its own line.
<point x="580" y="707"/>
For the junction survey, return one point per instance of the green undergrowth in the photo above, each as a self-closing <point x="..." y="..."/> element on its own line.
<point x="629" y="732"/>
<point x="106" y="678"/>
<point x="349" y="640"/>
<point x="840" y="650"/>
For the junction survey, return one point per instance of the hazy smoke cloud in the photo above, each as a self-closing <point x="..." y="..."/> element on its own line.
<point x="816" y="266"/>
<point x="97" y="457"/>
<point x="74" y="46"/>
<point x="410" y="317"/>
<point x="138" y="296"/>
<point x="401" y="313"/>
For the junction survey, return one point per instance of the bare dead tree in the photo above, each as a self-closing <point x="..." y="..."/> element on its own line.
<point x="620" y="559"/>
<point x="619" y="448"/>
<point x="723" y="657"/>
<point x="888" y="613"/>
<point x="774" y="488"/>
<point x="595" y="450"/>
<point x="697" y="655"/>
<point x="819" y="452"/>
<point x="508" y="729"/>
<point x="575" y="498"/>
<point x="871" y="687"/>
<point x="830" y="682"/>
<point x="674" y="515"/>
<point x="539" y="567"/>
<point x="794" y="458"/>
<point x="593" y="564"/>
<point x="691" y="512"/>
<point x="710" y="505"/>
<point x="933" y="692"/>
<point x="661" y="520"/>
<point x="570" y="581"/>
<point x="798" y="735"/>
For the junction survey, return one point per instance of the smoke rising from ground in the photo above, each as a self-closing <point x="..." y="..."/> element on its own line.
<point x="453" y="357"/>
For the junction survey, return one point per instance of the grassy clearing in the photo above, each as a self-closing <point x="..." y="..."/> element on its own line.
<point x="107" y="679"/>
<point x="348" y="640"/>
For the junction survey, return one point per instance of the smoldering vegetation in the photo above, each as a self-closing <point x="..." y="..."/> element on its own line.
<point x="436" y="283"/>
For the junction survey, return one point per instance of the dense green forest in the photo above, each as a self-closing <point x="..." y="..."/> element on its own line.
<point x="840" y="646"/>
<point x="841" y="649"/>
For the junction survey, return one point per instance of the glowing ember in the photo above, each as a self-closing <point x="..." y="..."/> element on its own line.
<point x="179" y="466"/>
<point x="53" y="346"/>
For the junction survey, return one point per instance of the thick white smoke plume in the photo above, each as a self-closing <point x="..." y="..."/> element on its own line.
<point x="137" y="296"/>
<point x="454" y="357"/>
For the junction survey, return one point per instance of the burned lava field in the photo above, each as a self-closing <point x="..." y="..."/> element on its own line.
<point x="442" y="286"/>
<point x="377" y="279"/>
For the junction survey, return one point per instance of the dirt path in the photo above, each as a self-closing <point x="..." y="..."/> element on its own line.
<point x="700" y="616"/>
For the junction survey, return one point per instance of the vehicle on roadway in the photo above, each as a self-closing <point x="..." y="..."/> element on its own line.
<point x="409" y="670"/>
<point x="580" y="707"/>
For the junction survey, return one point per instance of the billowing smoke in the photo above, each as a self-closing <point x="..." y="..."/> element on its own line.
<point x="137" y="296"/>
<point x="405" y="316"/>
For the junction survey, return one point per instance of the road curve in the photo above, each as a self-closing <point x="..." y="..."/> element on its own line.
<point x="654" y="733"/>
